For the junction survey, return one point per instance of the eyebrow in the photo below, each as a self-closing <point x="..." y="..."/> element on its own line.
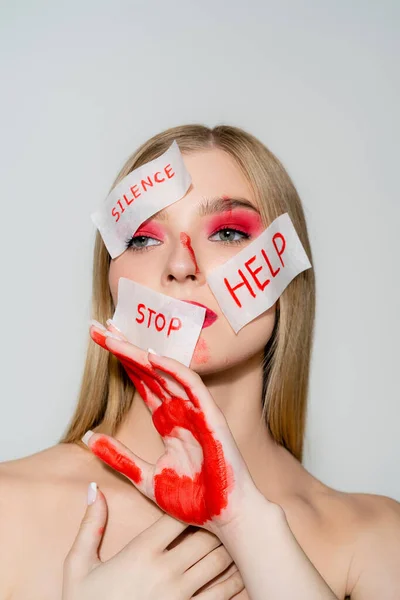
<point x="211" y="206"/>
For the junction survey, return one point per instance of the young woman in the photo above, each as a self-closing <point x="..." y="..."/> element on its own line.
<point x="262" y="526"/>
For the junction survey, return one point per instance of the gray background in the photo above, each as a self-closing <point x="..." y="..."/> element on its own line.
<point x="85" y="82"/>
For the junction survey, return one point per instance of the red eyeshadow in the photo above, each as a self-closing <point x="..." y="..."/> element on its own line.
<point x="151" y="229"/>
<point x="238" y="218"/>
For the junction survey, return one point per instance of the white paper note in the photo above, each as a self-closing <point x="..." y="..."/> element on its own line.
<point x="151" y="320"/>
<point x="142" y="193"/>
<point x="252" y="281"/>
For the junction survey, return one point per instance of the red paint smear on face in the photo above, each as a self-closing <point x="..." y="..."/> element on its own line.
<point x="244" y="220"/>
<point x="201" y="353"/>
<point x="193" y="500"/>
<point x="187" y="243"/>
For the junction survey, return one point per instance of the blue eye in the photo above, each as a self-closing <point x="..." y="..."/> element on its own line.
<point x="141" y="242"/>
<point x="228" y="235"/>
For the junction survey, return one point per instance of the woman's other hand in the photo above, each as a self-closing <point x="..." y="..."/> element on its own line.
<point x="145" y="569"/>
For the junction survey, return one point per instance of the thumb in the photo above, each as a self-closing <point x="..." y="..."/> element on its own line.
<point x="84" y="553"/>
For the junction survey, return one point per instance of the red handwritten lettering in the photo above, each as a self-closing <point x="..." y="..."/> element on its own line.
<point x="273" y="273"/>
<point x="135" y="191"/>
<point x="157" y="179"/>
<point x="116" y="214"/>
<point x="139" y="309"/>
<point x="260" y="285"/>
<point x="169" y="172"/>
<point x="174" y="325"/>
<point x="232" y="290"/>
<point x="163" y="322"/>
<point x="128" y="202"/>
<point x="160" y="321"/>
<point x="279" y="253"/>
<point x="138" y="188"/>
<point x="151" y="313"/>
<point x="147" y="182"/>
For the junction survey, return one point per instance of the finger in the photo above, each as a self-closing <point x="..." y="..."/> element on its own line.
<point x="151" y="401"/>
<point x="193" y="548"/>
<point x="206" y="569"/>
<point x="158" y="536"/>
<point x="188" y="379"/>
<point x="99" y="334"/>
<point x="133" y="358"/>
<point x="148" y="376"/>
<point x="84" y="553"/>
<point x="119" y="457"/>
<point x="114" y="329"/>
<point x="225" y="590"/>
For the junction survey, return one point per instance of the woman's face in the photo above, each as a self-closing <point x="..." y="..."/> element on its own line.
<point x="174" y="251"/>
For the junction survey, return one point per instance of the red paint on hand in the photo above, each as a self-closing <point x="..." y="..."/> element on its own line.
<point x="196" y="499"/>
<point x="187" y="243"/>
<point x="199" y="499"/>
<point x="104" y="449"/>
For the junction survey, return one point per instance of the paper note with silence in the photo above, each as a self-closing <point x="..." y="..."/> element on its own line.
<point x="142" y="193"/>
<point x="251" y="282"/>
<point x="152" y="320"/>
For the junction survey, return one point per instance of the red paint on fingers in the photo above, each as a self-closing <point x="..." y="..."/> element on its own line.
<point x="104" y="449"/>
<point x="195" y="499"/>
<point x="187" y="243"/>
<point x="99" y="338"/>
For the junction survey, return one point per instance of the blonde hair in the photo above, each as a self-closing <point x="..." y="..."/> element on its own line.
<point x="106" y="392"/>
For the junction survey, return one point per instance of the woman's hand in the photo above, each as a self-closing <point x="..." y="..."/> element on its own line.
<point x="145" y="569"/>
<point x="201" y="478"/>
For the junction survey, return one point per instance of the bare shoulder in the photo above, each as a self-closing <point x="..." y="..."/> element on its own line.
<point x="375" y="569"/>
<point x="369" y="525"/>
<point x="29" y="497"/>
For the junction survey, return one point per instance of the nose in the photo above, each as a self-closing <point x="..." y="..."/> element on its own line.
<point x="182" y="265"/>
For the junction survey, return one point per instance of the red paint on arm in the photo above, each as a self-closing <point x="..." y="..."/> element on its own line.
<point x="187" y="243"/>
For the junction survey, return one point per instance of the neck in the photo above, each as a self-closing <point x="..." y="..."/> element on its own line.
<point x="238" y="393"/>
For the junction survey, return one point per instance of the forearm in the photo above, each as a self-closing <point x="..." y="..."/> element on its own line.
<point x="271" y="562"/>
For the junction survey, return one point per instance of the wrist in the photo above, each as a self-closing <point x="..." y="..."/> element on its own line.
<point x="254" y="511"/>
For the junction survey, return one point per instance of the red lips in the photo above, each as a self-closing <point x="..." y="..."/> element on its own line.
<point x="210" y="317"/>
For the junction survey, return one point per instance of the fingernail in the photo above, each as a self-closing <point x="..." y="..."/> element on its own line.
<point x="92" y="493"/>
<point x="111" y="322"/>
<point x="114" y="336"/>
<point x="97" y="324"/>
<point x="152" y="351"/>
<point x="87" y="437"/>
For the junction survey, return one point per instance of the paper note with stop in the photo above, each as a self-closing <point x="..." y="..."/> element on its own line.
<point x="142" y="193"/>
<point x="148" y="319"/>
<point x="248" y="284"/>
